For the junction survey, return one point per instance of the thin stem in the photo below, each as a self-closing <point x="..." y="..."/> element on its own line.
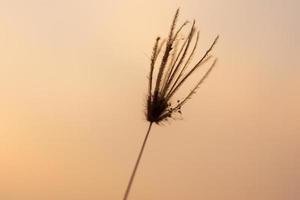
<point x="136" y="164"/>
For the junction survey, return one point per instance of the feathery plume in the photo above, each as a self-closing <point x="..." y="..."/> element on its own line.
<point x="170" y="78"/>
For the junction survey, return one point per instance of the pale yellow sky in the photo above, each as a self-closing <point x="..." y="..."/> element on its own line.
<point x="73" y="83"/>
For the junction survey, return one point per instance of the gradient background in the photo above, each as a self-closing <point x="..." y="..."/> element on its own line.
<point x="73" y="84"/>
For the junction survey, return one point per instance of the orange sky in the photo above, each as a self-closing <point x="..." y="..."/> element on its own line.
<point x="73" y="83"/>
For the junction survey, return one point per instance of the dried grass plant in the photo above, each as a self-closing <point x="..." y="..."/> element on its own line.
<point x="172" y="71"/>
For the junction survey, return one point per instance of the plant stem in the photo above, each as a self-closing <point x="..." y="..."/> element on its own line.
<point x="136" y="164"/>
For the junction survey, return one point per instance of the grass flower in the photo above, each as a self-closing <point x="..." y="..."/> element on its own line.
<point x="168" y="75"/>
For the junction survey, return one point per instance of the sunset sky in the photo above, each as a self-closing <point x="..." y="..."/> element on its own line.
<point x="73" y="80"/>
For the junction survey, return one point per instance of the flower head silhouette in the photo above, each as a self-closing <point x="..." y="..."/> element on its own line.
<point x="174" y="69"/>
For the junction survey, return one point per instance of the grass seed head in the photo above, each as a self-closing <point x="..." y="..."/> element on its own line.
<point x="173" y="70"/>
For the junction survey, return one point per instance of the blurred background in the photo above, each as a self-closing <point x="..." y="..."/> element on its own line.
<point x="73" y="79"/>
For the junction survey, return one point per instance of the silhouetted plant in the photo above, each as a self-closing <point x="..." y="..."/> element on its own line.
<point x="174" y="69"/>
